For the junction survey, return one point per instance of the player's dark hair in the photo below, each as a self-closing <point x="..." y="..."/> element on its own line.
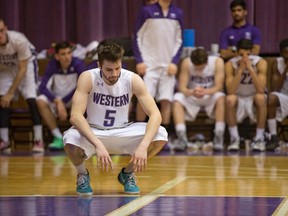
<point x="244" y="44"/>
<point x="62" y="45"/>
<point x="199" y="56"/>
<point x="236" y="3"/>
<point x="283" y="44"/>
<point x="110" y="52"/>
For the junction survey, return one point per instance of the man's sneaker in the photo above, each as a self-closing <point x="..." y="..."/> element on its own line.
<point x="258" y="145"/>
<point x="128" y="180"/>
<point x="83" y="184"/>
<point x="273" y="143"/>
<point x="177" y="145"/>
<point x="5" y="147"/>
<point x="234" y="145"/>
<point x="57" y="144"/>
<point x="38" y="146"/>
<point x="218" y="142"/>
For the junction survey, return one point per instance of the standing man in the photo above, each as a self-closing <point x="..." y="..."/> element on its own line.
<point x="105" y="94"/>
<point x="18" y="72"/>
<point x="157" y="47"/>
<point x="238" y="30"/>
<point x="246" y="94"/>
<point x="57" y="88"/>
<point x="278" y="98"/>
<point x="201" y="84"/>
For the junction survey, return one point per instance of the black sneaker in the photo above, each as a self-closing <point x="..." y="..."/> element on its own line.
<point x="273" y="143"/>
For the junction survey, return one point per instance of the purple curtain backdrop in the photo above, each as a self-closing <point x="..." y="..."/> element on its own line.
<point x="47" y="21"/>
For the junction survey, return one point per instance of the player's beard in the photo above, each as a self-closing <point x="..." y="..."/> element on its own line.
<point x="111" y="80"/>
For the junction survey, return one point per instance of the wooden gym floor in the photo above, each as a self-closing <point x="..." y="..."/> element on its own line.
<point x="215" y="184"/>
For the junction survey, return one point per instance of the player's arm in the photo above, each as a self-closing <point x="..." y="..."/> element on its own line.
<point x="277" y="79"/>
<point x="228" y="53"/>
<point x="184" y="78"/>
<point x="256" y="49"/>
<point x="232" y="78"/>
<point x="150" y="108"/>
<point x="259" y="78"/>
<point x="219" y="77"/>
<point x="6" y="99"/>
<point x="79" y="105"/>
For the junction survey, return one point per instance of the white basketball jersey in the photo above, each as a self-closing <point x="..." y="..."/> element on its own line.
<point x="108" y="106"/>
<point x="18" y="48"/>
<point x="246" y="86"/>
<point x="281" y="68"/>
<point x="205" y="77"/>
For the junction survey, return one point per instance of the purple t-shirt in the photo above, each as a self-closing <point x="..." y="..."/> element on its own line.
<point x="231" y="35"/>
<point x="56" y="82"/>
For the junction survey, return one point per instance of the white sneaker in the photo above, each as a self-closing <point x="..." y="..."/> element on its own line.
<point x="258" y="145"/>
<point x="5" y="147"/>
<point x="218" y="142"/>
<point x="38" y="146"/>
<point x="234" y="145"/>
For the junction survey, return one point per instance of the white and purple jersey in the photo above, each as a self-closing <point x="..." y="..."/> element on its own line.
<point x="157" y="37"/>
<point x="281" y="66"/>
<point x="246" y="86"/>
<point x="18" y="48"/>
<point x="205" y="77"/>
<point x="231" y="35"/>
<point x="60" y="83"/>
<point x="108" y="105"/>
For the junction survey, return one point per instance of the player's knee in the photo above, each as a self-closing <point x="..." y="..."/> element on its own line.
<point x="260" y="99"/>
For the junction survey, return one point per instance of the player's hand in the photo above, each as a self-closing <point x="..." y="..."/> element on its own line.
<point x="62" y="111"/>
<point x="141" y="69"/>
<point x="139" y="159"/>
<point x="172" y="69"/>
<point x="104" y="161"/>
<point x="6" y="100"/>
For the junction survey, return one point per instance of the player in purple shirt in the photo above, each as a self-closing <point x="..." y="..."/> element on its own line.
<point x="157" y="47"/>
<point x="57" y="88"/>
<point x="238" y="30"/>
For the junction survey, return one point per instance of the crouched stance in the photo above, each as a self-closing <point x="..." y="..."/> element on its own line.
<point x="105" y="94"/>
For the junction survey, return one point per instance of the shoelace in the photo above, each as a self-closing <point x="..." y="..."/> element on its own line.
<point x="132" y="180"/>
<point x="82" y="181"/>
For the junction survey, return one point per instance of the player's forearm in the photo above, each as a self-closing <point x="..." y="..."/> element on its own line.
<point x="80" y="123"/>
<point x="19" y="77"/>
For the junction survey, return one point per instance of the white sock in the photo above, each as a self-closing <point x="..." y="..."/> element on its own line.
<point x="4" y="134"/>
<point x="38" y="132"/>
<point x="56" y="133"/>
<point x="180" y="127"/>
<point x="272" y="125"/>
<point x="259" y="134"/>
<point x="81" y="169"/>
<point x="219" y="127"/>
<point x="233" y="131"/>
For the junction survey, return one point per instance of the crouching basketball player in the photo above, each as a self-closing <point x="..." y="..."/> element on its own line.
<point x="105" y="94"/>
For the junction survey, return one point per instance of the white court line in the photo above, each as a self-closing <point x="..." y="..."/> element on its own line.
<point x="140" y="202"/>
<point x="282" y="209"/>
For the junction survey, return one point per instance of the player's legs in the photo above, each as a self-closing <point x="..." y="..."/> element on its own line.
<point x="260" y="104"/>
<point x="77" y="157"/>
<point x="4" y="130"/>
<point x="231" y="119"/>
<point x="272" y="104"/>
<point x="28" y="89"/>
<point x="219" y="124"/>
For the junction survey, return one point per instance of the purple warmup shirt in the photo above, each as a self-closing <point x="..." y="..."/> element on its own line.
<point x="58" y="83"/>
<point x="231" y="35"/>
<point x="158" y="38"/>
